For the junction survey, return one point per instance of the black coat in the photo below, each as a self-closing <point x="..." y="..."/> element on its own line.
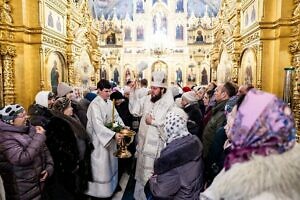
<point x="195" y="120"/>
<point x="70" y="148"/>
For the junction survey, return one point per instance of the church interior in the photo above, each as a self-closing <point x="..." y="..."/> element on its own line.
<point x="193" y="41"/>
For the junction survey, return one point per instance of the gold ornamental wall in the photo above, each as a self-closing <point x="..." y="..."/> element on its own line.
<point x="35" y="36"/>
<point x="259" y="39"/>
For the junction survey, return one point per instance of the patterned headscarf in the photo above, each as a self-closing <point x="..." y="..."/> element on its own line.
<point x="175" y="124"/>
<point x="10" y="112"/>
<point x="263" y="125"/>
<point x="61" y="104"/>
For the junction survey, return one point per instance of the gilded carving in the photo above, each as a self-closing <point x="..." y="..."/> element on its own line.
<point x="5" y="13"/>
<point x="294" y="47"/>
<point x="8" y="84"/>
<point x="7" y="50"/>
<point x="54" y="42"/>
<point x="250" y="38"/>
<point x="58" y="4"/>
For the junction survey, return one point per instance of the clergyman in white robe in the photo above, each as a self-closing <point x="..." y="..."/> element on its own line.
<point x="104" y="163"/>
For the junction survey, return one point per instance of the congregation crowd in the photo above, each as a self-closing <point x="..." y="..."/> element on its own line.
<point x="209" y="142"/>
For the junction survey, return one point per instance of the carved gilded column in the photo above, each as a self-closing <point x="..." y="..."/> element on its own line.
<point x="295" y="51"/>
<point x="1" y="84"/>
<point x="236" y="64"/>
<point x="7" y="53"/>
<point x="42" y="64"/>
<point x="259" y="53"/>
<point x="96" y="65"/>
<point x="71" y="73"/>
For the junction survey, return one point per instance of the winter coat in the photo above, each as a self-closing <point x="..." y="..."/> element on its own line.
<point x="178" y="171"/>
<point x="80" y="112"/>
<point x="216" y="121"/>
<point x="70" y="148"/>
<point x="23" y="156"/>
<point x="216" y="156"/>
<point x="39" y="115"/>
<point x="262" y="178"/>
<point x="195" y="120"/>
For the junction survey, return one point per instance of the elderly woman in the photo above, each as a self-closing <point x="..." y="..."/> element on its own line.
<point x="178" y="171"/>
<point x="25" y="160"/>
<point x="68" y="143"/>
<point x="190" y="105"/>
<point x="264" y="162"/>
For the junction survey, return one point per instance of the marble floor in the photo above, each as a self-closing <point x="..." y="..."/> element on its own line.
<point x="127" y="184"/>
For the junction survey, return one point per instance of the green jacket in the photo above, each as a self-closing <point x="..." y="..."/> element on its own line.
<point x="216" y="121"/>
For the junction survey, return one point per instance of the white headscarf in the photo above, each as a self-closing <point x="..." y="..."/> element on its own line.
<point x="41" y="98"/>
<point x="176" y="124"/>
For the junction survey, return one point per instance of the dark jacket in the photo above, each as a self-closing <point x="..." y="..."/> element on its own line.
<point x="195" y="120"/>
<point x="216" y="121"/>
<point x="23" y="156"/>
<point x="216" y="156"/>
<point x="178" y="171"/>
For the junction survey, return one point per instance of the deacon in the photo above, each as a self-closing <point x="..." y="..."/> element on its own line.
<point x="104" y="164"/>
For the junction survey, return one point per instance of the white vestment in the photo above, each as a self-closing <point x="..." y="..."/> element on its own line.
<point x="150" y="137"/>
<point x="104" y="164"/>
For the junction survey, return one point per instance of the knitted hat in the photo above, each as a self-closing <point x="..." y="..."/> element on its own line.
<point x="90" y="96"/>
<point x="159" y="79"/>
<point x="61" y="104"/>
<point x="116" y="95"/>
<point x="189" y="96"/>
<point x="41" y="98"/>
<point x="10" y="112"/>
<point x="186" y="89"/>
<point x="63" y="89"/>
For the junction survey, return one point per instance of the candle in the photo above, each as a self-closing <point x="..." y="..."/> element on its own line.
<point x="113" y="111"/>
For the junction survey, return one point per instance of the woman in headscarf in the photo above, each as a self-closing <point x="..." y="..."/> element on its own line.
<point x="25" y="162"/>
<point x="39" y="112"/>
<point x="178" y="171"/>
<point x="68" y="143"/>
<point x="264" y="162"/>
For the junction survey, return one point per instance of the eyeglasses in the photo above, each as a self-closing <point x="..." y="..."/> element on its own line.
<point x="22" y="115"/>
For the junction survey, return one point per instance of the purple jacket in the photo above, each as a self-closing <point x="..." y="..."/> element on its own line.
<point x="178" y="172"/>
<point x="23" y="156"/>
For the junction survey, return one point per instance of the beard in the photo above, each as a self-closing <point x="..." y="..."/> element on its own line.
<point x="155" y="98"/>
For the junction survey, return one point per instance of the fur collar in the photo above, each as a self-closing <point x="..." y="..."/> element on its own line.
<point x="278" y="175"/>
<point x="177" y="153"/>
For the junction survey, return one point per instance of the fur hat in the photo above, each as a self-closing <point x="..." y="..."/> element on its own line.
<point x="116" y="95"/>
<point x="159" y="79"/>
<point x="41" y="98"/>
<point x="189" y="96"/>
<point x="10" y="112"/>
<point x="61" y="104"/>
<point x="63" y="89"/>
